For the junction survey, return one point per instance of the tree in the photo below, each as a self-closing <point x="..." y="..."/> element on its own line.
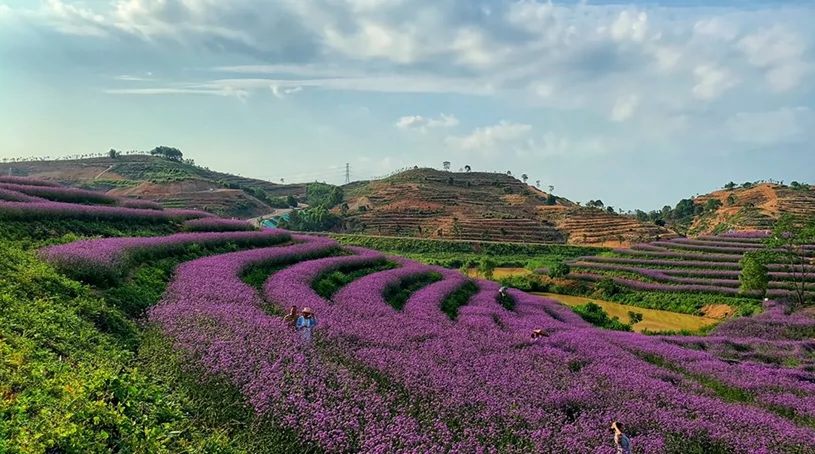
<point x="291" y="201"/>
<point x="282" y="180"/>
<point x="509" y="172"/>
<point x="787" y="244"/>
<point x="754" y="274"/>
<point x="486" y="267"/>
<point x="467" y="168"/>
<point x="344" y="208"/>
<point x="538" y="183"/>
<point x="634" y="317"/>
<point x="171" y="153"/>
<point x="113" y="153"/>
<point x="610" y="209"/>
<point x="731" y="199"/>
<point x="559" y="270"/>
<point x="524" y="177"/>
<point x="551" y="189"/>
<point x="446" y="165"/>
<point x="713" y="204"/>
<point x="729" y="186"/>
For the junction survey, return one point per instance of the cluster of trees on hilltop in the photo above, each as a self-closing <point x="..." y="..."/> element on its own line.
<point x="321" y="198"/>
<point x="749" y="184"/>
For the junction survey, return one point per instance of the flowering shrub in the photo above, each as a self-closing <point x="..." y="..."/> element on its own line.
<point x="141" y="203"/>
<point x="14" y="196"/>
<point x="59" y="210"/>
<point x="217" y="225"/>
<point x="63" y="194"/>
<point x="106" y="260"/>
<point x="27" y="181"/>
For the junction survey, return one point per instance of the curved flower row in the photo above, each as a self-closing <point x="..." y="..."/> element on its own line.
<point x="141" y="203"/>
<point x="657" y="287"/>
<point x="14" y="196"/>
<point x="105" y="260"/>
<point x="693" y="266"/>
<point x="713" y="248"/>
<point x="667" y="276"/>
<point x="56" y="210"/>
<point x="63" y="194"/>
<point x="217" y="225"/>
<point x="771" y="386"/>
<point x="661" y="252"/>
<point x="27" y="181"/>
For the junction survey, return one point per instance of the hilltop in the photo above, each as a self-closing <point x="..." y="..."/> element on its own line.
<point x="749" y="206"/>
<point x="482" y="206"/>
<point x="175" y="184"/>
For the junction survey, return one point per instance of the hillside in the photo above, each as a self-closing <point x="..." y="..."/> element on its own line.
<point x="752" y="208"/>
<point x="173" y="184"/>
<point x="483" y="207"/>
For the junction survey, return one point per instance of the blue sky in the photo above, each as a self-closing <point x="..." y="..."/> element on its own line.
<point x="638" y="104"/>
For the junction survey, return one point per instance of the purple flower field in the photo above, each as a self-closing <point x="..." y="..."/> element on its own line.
<point x="380" y="379"/>
<point x="413" y="380"/>
<point x="713" y="269"/>
<point x="105" y="260"/>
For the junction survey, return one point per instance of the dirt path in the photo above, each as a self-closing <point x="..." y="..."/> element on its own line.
<point x="102" y="173"/>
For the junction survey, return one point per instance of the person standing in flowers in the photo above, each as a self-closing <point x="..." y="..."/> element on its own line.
<point x="620" y="438"/>
<point x="305" y="323"/>
<point x="291" y="318"/>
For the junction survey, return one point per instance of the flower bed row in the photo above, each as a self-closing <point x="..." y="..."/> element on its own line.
<point x="63" y="194"/>
<point x="667" y="276"/>
<point x="660" y="252"/>
<point x="808" y="249"/>
<point x="683" y="288"/>
<point x="106" y="260"/>
<point x="141" y="203"/>
<point x="60" y="210"/>
<point x="14" y="196"/>
<point x="27" y="181"/>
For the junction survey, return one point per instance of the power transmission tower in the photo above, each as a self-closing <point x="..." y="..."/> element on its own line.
<point x="347" y="173"/>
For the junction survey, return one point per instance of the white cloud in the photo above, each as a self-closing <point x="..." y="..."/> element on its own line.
<point x="711" y="81"/>
<point x="488" y="137"/>
<point x="281" y="93"/>
<point x="778" y="51"/>
<point x="629" y="26"/>
<point x="624" y="108"/>
<point x="716" y="27"/>
<point x="127" y="78"/>
<point x="421" y="123"/>
<point x="785" y="125"/>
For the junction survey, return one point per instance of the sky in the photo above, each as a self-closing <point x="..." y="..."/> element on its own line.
<point x="638" y="104"/>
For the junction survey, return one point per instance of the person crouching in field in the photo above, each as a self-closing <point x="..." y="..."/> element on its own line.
<point x="291" y="318"/>
<point x="305" y="323"/>
<point x="620" y="438"/>
<point x="537" y="334"/>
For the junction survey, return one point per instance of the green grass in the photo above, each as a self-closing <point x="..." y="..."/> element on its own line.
<point x="455" y="254"/>
<point x="460" y="297"/>
<point x="397" y="294"/>
<point x="29" y="235"/>
<point x="327" y="284"/>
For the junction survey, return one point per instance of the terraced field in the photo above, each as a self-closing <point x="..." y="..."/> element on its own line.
<point x="408" y="357"/>
<point x="481" y="206"/>
<point x="707" y="264"/>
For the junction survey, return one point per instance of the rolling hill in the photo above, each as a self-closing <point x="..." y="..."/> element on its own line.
<point x="482" y="206"/>
<point x="754" y="207"/>
<point x="174" y="184"/>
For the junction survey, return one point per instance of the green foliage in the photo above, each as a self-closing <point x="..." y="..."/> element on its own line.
<point x="37" y="234"/>
<point x="607" y="288"/>
<point x="754" y="274"/>
<point x="713" y="204"/>
<point x="525" y="282"/>
<point x="327" y="284"/>
<point x="634" y="317"/>
<point x="397" y="295"/>
<point x="594" y="314"/>
<point x="559" y="270"/>
<point x="316" y="219"/>
<point x="66" y="383"/>
<point x="291" y="201"/>
<point x="486" y="267"/>
<point x="787" y="245"/>
<point x="324" y="195"/>
<point x="492" y="249"/>
<point x="458" y="298"/>
<point x="171" y="153"/>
